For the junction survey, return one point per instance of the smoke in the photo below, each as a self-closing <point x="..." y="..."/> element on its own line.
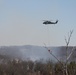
<point x="29" y="52"/>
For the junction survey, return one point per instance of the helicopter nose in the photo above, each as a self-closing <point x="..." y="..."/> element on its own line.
<point x="43" y="23"/>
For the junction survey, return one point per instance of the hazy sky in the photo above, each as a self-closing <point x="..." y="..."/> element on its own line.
<point x="21" y="22"/>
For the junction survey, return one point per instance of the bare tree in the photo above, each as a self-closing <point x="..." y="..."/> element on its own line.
<point x="67" y="40"/>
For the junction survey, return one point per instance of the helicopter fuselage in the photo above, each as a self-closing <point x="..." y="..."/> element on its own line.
<point x="49" y="22"/>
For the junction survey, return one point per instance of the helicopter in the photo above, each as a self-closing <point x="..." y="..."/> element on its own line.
<point x="49" y="22"/>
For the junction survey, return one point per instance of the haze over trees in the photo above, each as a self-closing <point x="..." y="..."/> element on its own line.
<point x="12" y="62"/>
<point x="19" y="67"/>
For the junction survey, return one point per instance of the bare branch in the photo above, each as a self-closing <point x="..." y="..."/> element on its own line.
<point x="70" y="53"/>
<point x="69" y="37"/>
<point x="52" y="54"/>
<point x="65" y="40"/>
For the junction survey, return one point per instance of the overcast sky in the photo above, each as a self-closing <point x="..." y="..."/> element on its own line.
<point x="21" y="22"/>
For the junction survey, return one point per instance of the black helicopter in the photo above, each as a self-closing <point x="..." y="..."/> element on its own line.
<point x="49" y="22"/>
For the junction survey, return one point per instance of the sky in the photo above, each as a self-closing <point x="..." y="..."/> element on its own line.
<point x="21" y="22"/>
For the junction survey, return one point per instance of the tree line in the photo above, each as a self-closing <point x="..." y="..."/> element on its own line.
<point x="19" y="67"/>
